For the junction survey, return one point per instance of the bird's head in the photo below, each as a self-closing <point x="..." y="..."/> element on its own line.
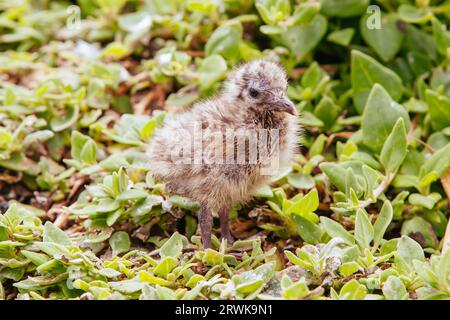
<point x="260" y="84"/>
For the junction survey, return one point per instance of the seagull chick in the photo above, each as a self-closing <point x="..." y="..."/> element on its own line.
<point x="224" y="149"/>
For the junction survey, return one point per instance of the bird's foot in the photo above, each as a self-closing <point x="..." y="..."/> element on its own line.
<point x="224" y="226"/>
<point x="228" y="237"/>
<point x="205" y="221"/>
<point x="206" y="244"/>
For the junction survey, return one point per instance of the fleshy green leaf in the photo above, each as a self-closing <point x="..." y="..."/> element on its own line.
<point x="395" y="147"/>
<point x="119" y="242"/>
<point x="380" y="115"/>
<point x="364" y="231"/>
<point x="367" y="72"/>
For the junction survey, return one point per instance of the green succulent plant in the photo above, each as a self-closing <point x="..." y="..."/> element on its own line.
<point x="361" y="213"/>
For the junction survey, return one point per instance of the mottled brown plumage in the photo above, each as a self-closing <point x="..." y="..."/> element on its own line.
<point x="221" y="166"/>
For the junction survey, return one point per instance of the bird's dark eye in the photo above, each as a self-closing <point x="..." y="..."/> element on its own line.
<point x="253" y="92"/>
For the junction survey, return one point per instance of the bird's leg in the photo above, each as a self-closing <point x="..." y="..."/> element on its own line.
<point x="205" y="219"/>
<point x="224" y="227"/>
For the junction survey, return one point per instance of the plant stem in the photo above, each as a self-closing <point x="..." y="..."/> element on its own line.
<point x="446" y="239"/>
<point x="380" y="189"/>
<point x="445" y="181"/>
<point x="389" y="176"/>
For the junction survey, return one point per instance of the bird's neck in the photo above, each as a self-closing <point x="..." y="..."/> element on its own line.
<point x="268" y="119"/>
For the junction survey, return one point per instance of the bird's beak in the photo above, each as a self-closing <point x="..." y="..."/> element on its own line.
<point x="286" y="105"/>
